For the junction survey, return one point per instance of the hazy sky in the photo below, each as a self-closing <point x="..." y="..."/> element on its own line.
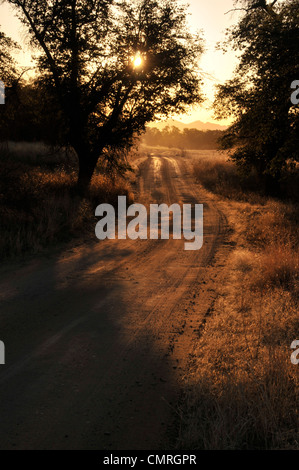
<point x="206" y="15"/>
<point x="209" y="16"/>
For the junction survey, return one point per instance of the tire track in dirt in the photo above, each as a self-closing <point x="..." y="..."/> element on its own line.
<point x="99" y="339"/>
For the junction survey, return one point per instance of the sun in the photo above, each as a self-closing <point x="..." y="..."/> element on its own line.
<point x="137" y="60"/>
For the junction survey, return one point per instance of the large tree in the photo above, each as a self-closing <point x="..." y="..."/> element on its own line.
<point x="265" y="132"/>
<point x="113" y="67"/>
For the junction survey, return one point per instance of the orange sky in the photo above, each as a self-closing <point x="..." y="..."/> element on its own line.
<point x="210" y="16"/>
<point x="206" y="15"/>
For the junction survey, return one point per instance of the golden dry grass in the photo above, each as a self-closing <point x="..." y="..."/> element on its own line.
<point x="217" y="173"/>
<point x="39" y="207"/>
<point x="243" y="391"/>
<point x="278" y="267"/>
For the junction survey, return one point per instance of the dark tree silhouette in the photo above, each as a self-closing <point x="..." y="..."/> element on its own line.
<point x="8" y="68"/>
<point x="265" y="134"/>
<point x="114" y="66"/>
<point x="10" y="76"/>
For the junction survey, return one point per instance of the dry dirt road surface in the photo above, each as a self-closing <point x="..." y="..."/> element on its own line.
<point x="99" y="338"/>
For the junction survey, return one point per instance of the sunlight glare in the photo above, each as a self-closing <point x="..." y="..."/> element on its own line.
<point x="137" y="60"/>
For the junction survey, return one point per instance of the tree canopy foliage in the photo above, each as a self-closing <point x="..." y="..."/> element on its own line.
<point x="265" y="133"/>
<point x="8" y="67"/>
<point x="111" y="67"/>
<point x="10" y="76"/>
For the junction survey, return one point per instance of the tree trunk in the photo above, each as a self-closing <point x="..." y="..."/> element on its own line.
<point x="272" y="184"/>
<point x="87" y="165"/>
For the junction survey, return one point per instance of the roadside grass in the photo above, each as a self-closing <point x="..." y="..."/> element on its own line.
<point x="242" y="391"/>
<point x="38" y="203"/>
<point x="219" y="175"/>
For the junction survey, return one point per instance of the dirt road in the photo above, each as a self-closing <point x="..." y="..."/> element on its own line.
<point x="98" y="338"/>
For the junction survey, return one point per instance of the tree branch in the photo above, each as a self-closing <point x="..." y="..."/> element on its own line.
<point x="39" y="37"/>
<point x="260" y="4"/>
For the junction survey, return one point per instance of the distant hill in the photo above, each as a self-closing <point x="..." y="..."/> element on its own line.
<point x="199" y="125"/>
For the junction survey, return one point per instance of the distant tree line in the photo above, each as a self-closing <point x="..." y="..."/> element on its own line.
<point x="31" y="115"/>
<point x="190" y="139"/>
